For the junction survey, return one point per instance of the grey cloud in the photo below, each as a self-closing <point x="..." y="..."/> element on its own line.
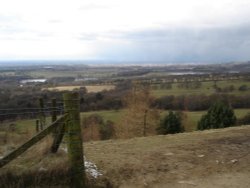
<point x="184" y="44"/>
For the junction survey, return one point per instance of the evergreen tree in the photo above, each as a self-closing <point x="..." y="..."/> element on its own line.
<point x="219" y="115"/>
<point x="171" y="124"/>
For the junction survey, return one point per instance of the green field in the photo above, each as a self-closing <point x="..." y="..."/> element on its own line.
<point x="206" y="89"/>
<point x="113" y="115"/>
<point x="190" y="122"/>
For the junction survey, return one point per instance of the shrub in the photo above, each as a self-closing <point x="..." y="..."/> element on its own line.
<point x="243" y="88"/>
<point x="171" y="124"/>
<point x="95" y="128"/>
<point x="219" y="115"/>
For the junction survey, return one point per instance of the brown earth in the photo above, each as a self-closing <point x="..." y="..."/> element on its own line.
<point x="213" y="158"/>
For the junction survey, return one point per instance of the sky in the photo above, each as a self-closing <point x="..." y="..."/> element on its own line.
<point x="131" y="30"/>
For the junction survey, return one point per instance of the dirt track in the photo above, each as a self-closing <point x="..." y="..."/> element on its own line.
<point x="214" y="158"/>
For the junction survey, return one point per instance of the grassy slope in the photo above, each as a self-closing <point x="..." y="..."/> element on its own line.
<point x="213" y="158"/>
<point x="202" y="159"/>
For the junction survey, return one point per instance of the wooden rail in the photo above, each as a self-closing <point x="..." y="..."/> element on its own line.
<point x="21" y="149"/>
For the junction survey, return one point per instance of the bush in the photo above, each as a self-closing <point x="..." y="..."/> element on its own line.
<point x="243" y="88"/>
<point x="171" y="124"/>
<point x="219" y="115"/>
<point x="95" y="128"/>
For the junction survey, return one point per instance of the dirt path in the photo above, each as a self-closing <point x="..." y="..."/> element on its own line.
<point x="215" y="158"/>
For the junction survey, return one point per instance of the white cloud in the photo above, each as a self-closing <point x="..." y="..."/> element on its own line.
<point x="79" y="29"/>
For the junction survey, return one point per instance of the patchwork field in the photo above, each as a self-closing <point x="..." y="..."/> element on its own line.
<point x="90" y="88"/>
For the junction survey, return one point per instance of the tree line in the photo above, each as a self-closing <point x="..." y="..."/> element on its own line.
<point x="200" y="102"/>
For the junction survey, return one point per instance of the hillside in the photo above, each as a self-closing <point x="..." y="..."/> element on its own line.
<point x="214" y="158"/>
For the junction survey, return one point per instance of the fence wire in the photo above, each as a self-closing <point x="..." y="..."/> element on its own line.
<point x="28" y="113"/>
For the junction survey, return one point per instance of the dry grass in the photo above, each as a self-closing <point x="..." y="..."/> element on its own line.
<point x="201" y="159"/>
<point x="181" y="160"/>
<point x="90" y="88"/>
<point x="38" y="167"/>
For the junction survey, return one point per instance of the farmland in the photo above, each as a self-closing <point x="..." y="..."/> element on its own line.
<point x="117" y="100"/>
<point x="206" y="88"/>
<point x="90" y="88"/>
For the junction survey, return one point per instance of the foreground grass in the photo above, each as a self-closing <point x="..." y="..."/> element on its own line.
<point x="181" y="160"/>
<point x="212" y="158"/>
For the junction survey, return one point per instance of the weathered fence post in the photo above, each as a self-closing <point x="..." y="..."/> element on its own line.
<point x="54" y="111"/>
<point x="37" y="125"/>
<point x="74" y="142"/>
<point x="53" y="114"/>
<point x="58" y="133"/>
<point x="42" y="115"/>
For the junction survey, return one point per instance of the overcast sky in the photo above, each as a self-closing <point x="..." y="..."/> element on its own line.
<point x="126" y="30"/>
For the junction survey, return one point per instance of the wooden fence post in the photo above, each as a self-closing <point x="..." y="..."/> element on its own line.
<point x="53" y="115"/>
<point x="54" y="111"/>
<point x="42" y="115"/>
<point x="58" y="133"/>
<point x="74" y="142"/>
<point x="37" y="125"/>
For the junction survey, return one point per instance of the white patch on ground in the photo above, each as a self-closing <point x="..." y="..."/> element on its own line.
<point x="200" y="156"/>
<point x="42" y="169"/>
<point x="91" y="168"/>
<point x="64" y="149"/>
<point x="1" y="157"/>
<point x="234" y="161"/>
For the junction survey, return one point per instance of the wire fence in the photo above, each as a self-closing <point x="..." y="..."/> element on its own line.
<point x="10" y="114"/>
<point x="70" y="119"/>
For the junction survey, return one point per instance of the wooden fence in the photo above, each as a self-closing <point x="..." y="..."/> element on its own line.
<point x="68" y="125"/>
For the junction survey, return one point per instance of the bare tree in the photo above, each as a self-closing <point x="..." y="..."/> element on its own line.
<point x="138" y="119"/>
